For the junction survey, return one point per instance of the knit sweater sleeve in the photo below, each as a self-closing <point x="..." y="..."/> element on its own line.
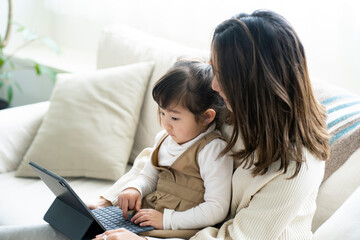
<point x="281" y="208"/>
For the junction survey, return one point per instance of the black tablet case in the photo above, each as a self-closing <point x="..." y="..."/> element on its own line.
<point x="68" y="213"/>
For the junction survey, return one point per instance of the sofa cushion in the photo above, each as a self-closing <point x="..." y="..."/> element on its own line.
<point x="345" y="222"/>
<point x="341" y="170"/>
<point x="121" y="45"/>
<point x="18" y="128"/>
<point x="90" y="126"/>
<point x="336" y="189"/>
<point x="343" y="122"/>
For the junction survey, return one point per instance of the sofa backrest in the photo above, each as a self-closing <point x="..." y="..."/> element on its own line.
<point x="121" y="45"/>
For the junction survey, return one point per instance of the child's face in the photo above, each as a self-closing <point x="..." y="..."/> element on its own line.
<point x="181" y="124"/>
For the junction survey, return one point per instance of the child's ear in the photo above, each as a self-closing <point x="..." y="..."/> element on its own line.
<point x="208" y="116"/>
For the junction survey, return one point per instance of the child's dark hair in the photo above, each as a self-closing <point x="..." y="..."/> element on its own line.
<point x="188" y="82"/>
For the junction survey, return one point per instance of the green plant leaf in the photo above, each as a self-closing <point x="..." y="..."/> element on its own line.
<point x="7" y="66"/>
<point x="37" y="68"/>
<point x="30" y="35"/>
<point x="19" y="87"/>
<point x="51" y="44"/>
<point x="4" y="75"/>
<point x="19" y="26"/>
<point x="11" y="64"/>
<point x="2" y="61"/>
<point x="9" y="93"/>
<point x="43" y="70"/>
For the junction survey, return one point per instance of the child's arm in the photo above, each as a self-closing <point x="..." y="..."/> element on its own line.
<point x="217" y="175"/>
<point x="145" y="183"/>
<point x="131" y="193"/>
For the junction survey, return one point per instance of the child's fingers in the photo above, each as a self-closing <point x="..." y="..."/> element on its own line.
<point x="131" y="204"/>
<point x="138" y="204"/>
<point x="146" y="223"/>
<point x="141" y="217"/>
<point x="124" y="208"/>
<point x="136" y="216"/>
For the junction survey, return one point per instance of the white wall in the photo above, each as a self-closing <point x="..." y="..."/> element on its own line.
<point x="330" y="30"/>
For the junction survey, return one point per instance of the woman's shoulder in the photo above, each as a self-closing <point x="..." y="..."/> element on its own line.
<point x="312" y="168"/>
<point x="312" y="165"/>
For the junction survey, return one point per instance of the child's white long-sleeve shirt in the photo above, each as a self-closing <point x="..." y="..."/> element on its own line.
<point x="215" y="171"/>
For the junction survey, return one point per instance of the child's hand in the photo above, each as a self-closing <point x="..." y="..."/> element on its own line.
<point x="129" y="199"/>
<point x="149" y="217"/>
<point x="99" y="203"/>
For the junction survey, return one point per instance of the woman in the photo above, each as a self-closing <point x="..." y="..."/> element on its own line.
<point x="279" y="138"/>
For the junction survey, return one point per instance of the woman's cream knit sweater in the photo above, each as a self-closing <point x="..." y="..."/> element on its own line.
<point x="271" y="206"/>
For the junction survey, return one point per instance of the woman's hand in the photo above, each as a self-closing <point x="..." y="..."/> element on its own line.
<point x="129" y="199"/>
<point x="118" y="234"/>
<point x="99" y="203"/>
<point x="149" y="217"/>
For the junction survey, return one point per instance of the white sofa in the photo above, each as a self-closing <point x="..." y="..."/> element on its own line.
<point x="24" y="201"/>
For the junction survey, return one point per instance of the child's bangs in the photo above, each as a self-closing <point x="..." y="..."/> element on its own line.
<point x="172" y="98"/>
<point x="170" y="91"/>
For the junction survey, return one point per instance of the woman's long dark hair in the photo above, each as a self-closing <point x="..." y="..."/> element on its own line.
<point x="261" y="68"/>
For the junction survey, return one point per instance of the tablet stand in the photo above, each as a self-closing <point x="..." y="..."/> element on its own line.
<point x="71" y="222"/>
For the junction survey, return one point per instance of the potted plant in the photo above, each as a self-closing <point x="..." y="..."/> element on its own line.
<point x="7" y="65"/>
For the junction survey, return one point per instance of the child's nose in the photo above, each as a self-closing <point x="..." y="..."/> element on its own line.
<point x="167" y="125"/>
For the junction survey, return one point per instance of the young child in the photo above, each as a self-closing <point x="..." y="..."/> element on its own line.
<point x="187" y="182"/>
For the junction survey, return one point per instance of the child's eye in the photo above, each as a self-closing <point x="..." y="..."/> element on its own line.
<point x="162" y="113"/>
<point x="174" y="118"/>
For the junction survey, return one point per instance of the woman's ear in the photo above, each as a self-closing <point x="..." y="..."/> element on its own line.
<point x="208" y="116"/>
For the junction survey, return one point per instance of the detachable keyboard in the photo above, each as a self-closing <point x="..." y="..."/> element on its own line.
<point x="112" y="218"/>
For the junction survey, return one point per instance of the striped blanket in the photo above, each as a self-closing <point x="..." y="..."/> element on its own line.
<point x="343" y="122"/>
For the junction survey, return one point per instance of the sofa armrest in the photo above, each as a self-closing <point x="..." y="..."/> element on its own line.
<point x="18" y="127"/>
<point x="344" y="223"/>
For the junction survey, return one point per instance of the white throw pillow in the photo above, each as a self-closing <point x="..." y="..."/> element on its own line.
<point x="91" y="123"/>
